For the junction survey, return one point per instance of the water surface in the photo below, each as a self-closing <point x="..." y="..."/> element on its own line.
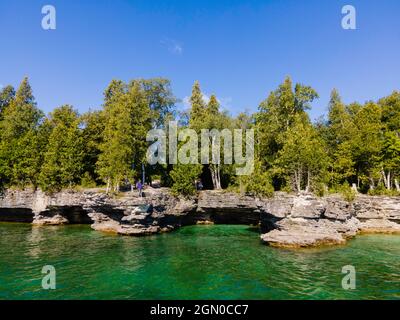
<point x="197" y="262"/>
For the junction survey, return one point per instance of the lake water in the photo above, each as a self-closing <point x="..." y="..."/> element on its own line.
<point x="196" y="262"/>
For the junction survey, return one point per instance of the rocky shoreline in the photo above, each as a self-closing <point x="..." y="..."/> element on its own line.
<point x="286" y="220"/>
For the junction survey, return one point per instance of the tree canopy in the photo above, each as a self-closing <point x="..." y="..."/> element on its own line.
<point x="355" y="144"/>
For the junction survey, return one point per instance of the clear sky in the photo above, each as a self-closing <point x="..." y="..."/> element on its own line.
<point x="239" y="50"/>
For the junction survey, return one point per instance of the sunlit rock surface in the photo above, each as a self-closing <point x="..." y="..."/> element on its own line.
<point x="286" y="220"/>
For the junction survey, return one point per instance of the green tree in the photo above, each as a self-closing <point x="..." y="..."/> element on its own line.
<point x="7" y="94"/>
<point x="127" y="120"/>
<point x="390" y="106"/>
<point x="303" y="155"/>
<point x="93" y="128"/>
<point x="63" y="160"/>
<point x="213" y="120"/>
<point x="367" y="144"/>
<point x="391" y="111"/>
<point x="184" y="177"/>
<point x="341" y="130"/>
<point x="19" y="156"/>
<point x="277" y="113"/>
<point x="159" y="97"/>
<point x="259" y="183"/>
<point x="198" y="108"/>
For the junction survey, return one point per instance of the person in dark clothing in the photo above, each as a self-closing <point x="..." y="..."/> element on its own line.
<point x="198" y="185"/>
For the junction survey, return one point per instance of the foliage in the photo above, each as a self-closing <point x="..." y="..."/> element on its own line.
<point x="184" y="177"/>
<point x="63" y="158"/>
<point x="258" y="184"/>
<point x="354" y="144"/>
<point x="347" y="192"/>
<point x="123" y="148"/>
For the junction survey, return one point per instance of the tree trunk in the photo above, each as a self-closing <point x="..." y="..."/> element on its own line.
<point x="308" y="181"/>
<point x="396" y="183"/>
<point x="219" y="177"/>
<point x="300" y="175"/>
<point x="372" y="184"/>
<point x="386" y="179"/>
<point x="297" y="175"/>
<point x="215" y="176"/>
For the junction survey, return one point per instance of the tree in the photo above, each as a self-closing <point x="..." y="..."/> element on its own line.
<point x="197" y="111"/>
<point x="213" y="120"/>
<point x="303" y="155"/>
<point x="341" y="131"/>
<point x="160" y="98"/>
<point x="184" y="177"/>
<point x="7" y="94"/>
<point x="127" y="120"/>
<point x="92" y="134"/>
<point x="391" y="159"/>
<point x="391" y="139"/>
<point x="63" y="160"/>
<point x="259" y="183"/>
<point x="276" y="115"/>
<point x="367" y="144"/>
<point x="391" y="111"/>
<point x="19" y="156"/>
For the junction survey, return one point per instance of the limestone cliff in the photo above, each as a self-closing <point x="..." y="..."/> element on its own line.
<point x="286" y="220"/>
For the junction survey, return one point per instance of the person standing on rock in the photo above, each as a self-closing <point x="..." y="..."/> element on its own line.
<point x="139" y="186"/>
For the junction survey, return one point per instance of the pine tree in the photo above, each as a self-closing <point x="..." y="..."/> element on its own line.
<point x="7" y="94"/>
<point x="303" y="155"/>
<point x="63" y="159"/>
<point x="367" y="144"/>
<point x="19" y="156"/>
<point x="93" y="128"/>
<point x="184" y="177"/>
<point x="127" y="120"/>
<point x="340" y="134"/>
<point x="197" y="111"/>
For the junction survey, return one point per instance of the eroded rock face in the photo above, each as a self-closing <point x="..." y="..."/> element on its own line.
<point x="331" y="220"/>
<point x="227" y="208"/>
<point x="300" y="232"/>
<point x="286" y="220"/>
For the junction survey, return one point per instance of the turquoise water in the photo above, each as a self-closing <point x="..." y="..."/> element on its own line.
<point x="197" y="262"/>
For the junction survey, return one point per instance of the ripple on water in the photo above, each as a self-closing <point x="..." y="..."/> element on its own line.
<point x="197" y="262"/>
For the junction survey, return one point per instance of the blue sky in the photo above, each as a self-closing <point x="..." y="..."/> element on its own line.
<point x="239" y="50"/>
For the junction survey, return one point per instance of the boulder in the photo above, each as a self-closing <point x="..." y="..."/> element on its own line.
<point x="307" y="206"/>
